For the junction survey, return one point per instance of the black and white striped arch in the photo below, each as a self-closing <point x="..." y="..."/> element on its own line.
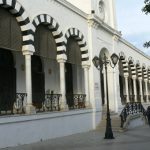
<point x="18" y="11"/>
<point x="73" y="32"/>
<point x="124" y="63"/>
<point x="132" y="67"/>
<point x="145" y="75"/>
<point x="55" y="29"/>
<point x="148" y="74"/>
<point x="139" y="70"/>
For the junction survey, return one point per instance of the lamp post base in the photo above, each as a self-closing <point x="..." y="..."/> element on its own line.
<point x="108" y="133"/>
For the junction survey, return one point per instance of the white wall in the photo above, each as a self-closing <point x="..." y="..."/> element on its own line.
<point x="18" y="130"/>
<point x="66" y="20"/>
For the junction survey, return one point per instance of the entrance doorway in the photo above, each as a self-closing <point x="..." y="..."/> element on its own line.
<point x="69" y="84"/>
<point x="38" y="82"/>
<point x="7" y="80"/>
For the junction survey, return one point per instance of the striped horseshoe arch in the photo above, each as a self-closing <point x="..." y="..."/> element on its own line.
<point x="132" y="66"/>
<point x="55" y="29"/>
<point x="139" y="70"/>
<point x="149" y="74"/>
<point x="144" y="72"/>
<point x="124" y="63"/>
<point x="18" y="11"/>
<point x="81" y="42"/>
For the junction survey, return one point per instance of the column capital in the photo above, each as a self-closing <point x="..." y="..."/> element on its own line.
<point x="27" y="52"/>
<point x="126" y="76"/>
<point x="61" y="60"/>
<point x="140" y="79"/>
<point x="62" y="57"/>
<point x="134" y="77"/>
<point x="145" y="80"/>
<point x="85" y="66"/>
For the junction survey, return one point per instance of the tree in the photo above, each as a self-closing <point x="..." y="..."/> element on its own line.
<point x="146" y="10"/>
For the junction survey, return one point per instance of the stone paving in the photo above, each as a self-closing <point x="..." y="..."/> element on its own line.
<point x="138" y="139"/>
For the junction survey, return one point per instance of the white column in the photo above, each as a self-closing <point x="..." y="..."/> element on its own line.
<point x="127" y="89"/>
<point x="29" y="107"/>
<point x="134" y="88"/>
<point x="141" y="92"/>
<point x="63" y="103"/>
<point x="146" y="90"/>
<point x="86" y="85"/>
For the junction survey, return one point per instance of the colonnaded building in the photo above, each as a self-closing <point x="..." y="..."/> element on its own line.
<point x="49" y="86"/>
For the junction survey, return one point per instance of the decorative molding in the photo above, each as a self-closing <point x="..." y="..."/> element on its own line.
<point x="102" y="24"/>
<point x="53" y="26"/>
<point x="72" y="8"/>
<point x="116" y="38"/>
<point x="23" y="20"/>
<point x="133" y="47"/>
<point x="93" y="24"/>
<point x="79" y="37"/>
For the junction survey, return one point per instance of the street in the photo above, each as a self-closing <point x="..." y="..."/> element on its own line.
<point x="138" y="138"/>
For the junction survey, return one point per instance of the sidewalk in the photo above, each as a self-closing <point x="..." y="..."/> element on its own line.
<point x="138" y="139"/>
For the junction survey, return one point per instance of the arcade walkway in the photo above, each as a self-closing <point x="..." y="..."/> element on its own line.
<point x="138" y="138"/>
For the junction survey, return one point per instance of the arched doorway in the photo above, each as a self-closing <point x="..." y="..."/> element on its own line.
<point x="73" y="71"/>
<point x="10" y="49"/>
<point x="69" y="84"/>
<point x="7" y="80"/>
<point x="38" y="82"/>
<point x="44" y="65"/>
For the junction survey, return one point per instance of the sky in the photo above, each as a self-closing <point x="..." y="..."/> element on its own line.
<point x="133" y="23"/>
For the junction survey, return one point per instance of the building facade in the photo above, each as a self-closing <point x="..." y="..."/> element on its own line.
<point x="49" y="86"/>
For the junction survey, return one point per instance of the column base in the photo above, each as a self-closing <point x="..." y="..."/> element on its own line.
<point x="88" y="104"/>
<point x="64" y="107"/>
<point x="30" y="109"/>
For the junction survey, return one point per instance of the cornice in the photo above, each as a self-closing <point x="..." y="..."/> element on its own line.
<point x="100" y="23"/>
<point x="72" y="8"/>
<point x="134" y="48"/>
<point x="92" y="19"/>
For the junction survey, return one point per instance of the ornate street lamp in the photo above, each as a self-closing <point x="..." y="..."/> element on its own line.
<point x="98" y="63"/>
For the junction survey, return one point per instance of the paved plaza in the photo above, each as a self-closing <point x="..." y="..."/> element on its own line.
<point x="138" y="139"/>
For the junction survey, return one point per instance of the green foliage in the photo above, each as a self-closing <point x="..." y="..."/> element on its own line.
<point x="146" y="10"/>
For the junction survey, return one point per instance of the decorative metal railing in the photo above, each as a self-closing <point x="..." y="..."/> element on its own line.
<point x="131" y="108"/>
<point x="13" y="107"/>
<point x="51" y="103"/>
<point x="123" y="99"/>
<point x="77" y="101"/>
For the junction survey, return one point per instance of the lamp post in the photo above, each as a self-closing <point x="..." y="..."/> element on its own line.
<point x="98" y="63"/>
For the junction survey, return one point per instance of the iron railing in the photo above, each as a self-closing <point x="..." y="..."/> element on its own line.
<point x="131" y="108"/>
<point x="51" y="103"/>
<point x="15" y="106"/>
<point x="77" y="101"/>
<point x="123" y="99"/>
